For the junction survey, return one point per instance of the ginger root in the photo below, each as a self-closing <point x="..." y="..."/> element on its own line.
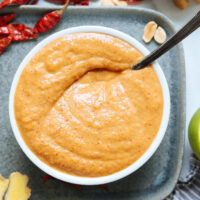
<point x="3" y="186"/>
<point x="17" y="189"/>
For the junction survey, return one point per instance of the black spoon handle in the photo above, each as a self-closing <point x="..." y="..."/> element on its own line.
<point x="191" y="26"/>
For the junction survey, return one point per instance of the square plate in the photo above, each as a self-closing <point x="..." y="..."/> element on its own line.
<point x="157" y="178"/>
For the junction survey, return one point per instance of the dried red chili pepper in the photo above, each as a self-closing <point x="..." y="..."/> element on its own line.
<point x="8" y="2"/>
<point x="74" y="2"/>
<point x="46" y="178"/>
<point x="80" y="2"/>
<point x="32" y="2"/>
<point x="133" y="2"/>
<point x="57" y="1"/>
<point x="75" y="185"/>
<point x="4" y="19"/>
<point x="18" y="32"/>
<point x="4" y="43"/>
<point x="48" y="21"/>
<point x="4" y="30"/>
<point x="104" y="186"/>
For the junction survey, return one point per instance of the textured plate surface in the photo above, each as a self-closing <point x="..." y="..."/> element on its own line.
<point x="157" y="178"/>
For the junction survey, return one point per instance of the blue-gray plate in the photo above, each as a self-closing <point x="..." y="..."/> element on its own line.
<point x="157" y="178"/>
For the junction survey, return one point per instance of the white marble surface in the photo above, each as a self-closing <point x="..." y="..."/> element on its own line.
<point x="192" y="57"/>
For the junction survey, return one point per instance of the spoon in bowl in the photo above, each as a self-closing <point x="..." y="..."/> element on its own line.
<point x="190" y="27"/>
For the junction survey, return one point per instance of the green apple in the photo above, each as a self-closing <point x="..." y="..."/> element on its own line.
<point x="194" y="133"/>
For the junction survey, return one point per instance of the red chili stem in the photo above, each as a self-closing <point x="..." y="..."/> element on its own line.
<point x="62" y="10"/>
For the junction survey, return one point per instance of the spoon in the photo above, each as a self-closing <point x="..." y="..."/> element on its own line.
<point x="191" y="26"/>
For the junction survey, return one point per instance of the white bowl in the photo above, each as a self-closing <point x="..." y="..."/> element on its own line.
<point x="87" y="180"/>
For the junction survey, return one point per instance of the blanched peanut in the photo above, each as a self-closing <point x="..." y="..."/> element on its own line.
<point x="107" y="3"/>
<point x="149" y="31"/>
<point x="119" y="3"/>
<point x="182" y="4"/>
<point x="160" y="35"/>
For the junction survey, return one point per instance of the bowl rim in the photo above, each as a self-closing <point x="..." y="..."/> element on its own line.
<point x="91" y="180"/>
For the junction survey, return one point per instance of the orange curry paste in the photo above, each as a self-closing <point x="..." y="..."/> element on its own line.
<point x="82" y="110"/>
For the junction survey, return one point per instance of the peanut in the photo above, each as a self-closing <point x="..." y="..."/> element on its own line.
<point x="149" y="31"/>
<point x="119" y="3"/>
<point x="160" y="35"/>
<point x="182" y="4"/>
<point x="107" y="3"/>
